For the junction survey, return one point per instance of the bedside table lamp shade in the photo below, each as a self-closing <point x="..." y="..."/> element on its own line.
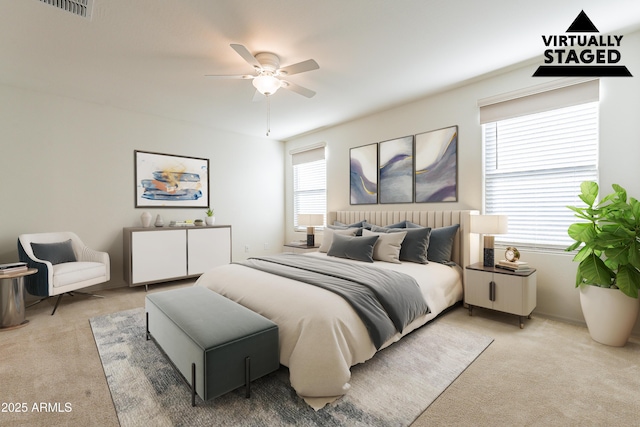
<point x="489" y="225"/>
<point x="310" y="221"/>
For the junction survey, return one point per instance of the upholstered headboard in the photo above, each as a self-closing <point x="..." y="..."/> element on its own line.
<point x="466" y="248"/>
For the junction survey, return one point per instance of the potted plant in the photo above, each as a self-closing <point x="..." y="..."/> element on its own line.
<point x="210" y="219"/>
<point x="609" y="262"/>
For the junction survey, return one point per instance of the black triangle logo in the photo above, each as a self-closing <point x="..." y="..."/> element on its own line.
<point x="582" y="24"/>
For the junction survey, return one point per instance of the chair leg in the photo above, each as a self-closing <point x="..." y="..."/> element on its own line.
<point x="57" y="302"/>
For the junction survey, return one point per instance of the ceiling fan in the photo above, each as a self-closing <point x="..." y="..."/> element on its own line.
<point x="268" y="77"/>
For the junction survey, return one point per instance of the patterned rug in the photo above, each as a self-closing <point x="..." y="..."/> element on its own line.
<point x="392" y="389"/>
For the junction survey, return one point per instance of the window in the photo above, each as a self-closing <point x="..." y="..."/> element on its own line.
<point x="309" y="183"/>
<point x="534" y="163"/>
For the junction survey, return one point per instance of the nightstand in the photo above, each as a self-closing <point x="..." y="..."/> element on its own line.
<point x="299" y="248"/>
<point x="503" y="290"/>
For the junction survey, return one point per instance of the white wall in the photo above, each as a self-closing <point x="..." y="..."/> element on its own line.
<point x="69" y="165"/>
<point x="619" y="157"/>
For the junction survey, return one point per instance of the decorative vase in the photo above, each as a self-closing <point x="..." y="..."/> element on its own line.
<point x="146" y="219"/>
<point x="610" y="314"/>
<point x="159" y="221"/>
<point x="210" y="220"/>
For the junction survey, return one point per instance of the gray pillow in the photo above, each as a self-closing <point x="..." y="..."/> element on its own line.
<point x="353" y="247"/>
<point x="337" y="225"/>
<point x="401" y="224"/>
<point x="327" y="238"/>
<point x="388" y="246"/>
<point x="415" y="243"/>
<point x="441" y="243"/>
<point x="55" y="253"/>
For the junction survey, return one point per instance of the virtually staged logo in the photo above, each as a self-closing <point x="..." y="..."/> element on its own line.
<point x="582" y="55"/>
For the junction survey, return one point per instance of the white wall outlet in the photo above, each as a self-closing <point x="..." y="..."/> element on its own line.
<point x="246" y="248"/>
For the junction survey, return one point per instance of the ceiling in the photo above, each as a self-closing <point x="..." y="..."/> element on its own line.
<point x="151" y="56"/>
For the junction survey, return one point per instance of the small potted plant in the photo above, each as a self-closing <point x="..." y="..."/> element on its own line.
<point x="210" y="219"/>
<point x="608" y="272"/>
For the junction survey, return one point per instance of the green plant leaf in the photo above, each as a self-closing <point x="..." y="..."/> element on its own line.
<point x="582" y="254"/>
<point x="589" y="192"/>
<point x="628" y="281"/>
<point x="594" y="271"/>
<point x="582" y="231"/>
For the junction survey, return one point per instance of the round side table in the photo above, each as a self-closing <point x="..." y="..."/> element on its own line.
<point x="12" y="299"/>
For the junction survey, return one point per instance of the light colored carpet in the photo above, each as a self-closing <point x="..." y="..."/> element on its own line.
<point x="550" y="373"/>
<point x="392" y="389"/>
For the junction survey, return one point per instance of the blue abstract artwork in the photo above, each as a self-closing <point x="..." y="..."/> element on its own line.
<point x="396" y="170"/>
<point x="164" y="180"/>
<point x="436" y="166"/>
<point x="364" y="174"/>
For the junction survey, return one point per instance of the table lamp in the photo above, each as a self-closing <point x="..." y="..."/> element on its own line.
<point x="310" y="221"/>
<point x="489" y="225"/>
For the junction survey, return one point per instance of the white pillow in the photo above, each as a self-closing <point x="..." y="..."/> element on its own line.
<point x="327" y="240"/>
<point x="387" y="248"/>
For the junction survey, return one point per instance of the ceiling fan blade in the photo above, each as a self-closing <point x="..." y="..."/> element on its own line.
<point x="300" y="67"/>
<point x="238" y="76"/>
<point x="298" y="89"/>
<point x="246" y="55"/>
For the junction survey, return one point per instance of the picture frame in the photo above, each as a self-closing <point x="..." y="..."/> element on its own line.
<point x="436" y="166"/>
<point x="396" y="171"/>
<point x="363" y="175"/>
<point x="170" y="181"/>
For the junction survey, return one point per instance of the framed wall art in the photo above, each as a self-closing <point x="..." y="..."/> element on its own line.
<point x="436" y="166"/>
<point x="170" y="181"/>
<point x="363" y="171"/>
<point x="396" y="170"/>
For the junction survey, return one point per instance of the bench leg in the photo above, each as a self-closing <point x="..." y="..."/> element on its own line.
<point x="247" y="376"/>
<point x="193" y="384"/>
<point x="147" y="324"/>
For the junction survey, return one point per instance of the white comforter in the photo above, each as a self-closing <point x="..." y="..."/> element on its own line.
<point x="321" y="336"/>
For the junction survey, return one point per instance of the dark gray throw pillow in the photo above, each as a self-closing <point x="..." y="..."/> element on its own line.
<point x="55" y="253"/>
<point x="415" y="244"/>
<point x="441" y="243"/>
<point x="352" y="247"/>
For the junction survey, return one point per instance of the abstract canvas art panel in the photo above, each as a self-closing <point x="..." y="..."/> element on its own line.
<point x="170" y="181"/>
<point x="364" y="175"/>
<point x="436" y="166"/>
<point x="396" y="170"/>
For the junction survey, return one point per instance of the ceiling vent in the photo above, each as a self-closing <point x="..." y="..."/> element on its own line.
<point x="77" y="7"/>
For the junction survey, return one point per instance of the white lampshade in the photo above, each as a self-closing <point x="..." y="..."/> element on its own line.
<point x="310" y="220"/>
<point x="266" y="84"/>
<point x="490" y="224"/>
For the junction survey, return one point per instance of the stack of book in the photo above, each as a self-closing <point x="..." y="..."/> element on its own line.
<point x="513" y="265"/>
<point x="13" y="267"/>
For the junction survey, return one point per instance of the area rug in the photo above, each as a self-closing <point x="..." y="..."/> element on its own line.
<point x="392" y="389"/>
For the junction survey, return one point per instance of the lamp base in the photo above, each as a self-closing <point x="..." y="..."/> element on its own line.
<point x="311" y="240"/>
<point x="489" y="257"/>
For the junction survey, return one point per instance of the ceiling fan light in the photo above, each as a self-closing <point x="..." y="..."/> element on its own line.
<point x="266" y="85"/>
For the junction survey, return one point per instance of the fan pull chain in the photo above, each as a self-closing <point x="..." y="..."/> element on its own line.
<point x="268" y="115"/>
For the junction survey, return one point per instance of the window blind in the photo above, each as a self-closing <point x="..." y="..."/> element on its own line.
<point x="309" y="183"/>
<point x="534" y="164"/>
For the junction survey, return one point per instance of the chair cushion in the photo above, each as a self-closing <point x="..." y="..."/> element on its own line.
<point x="74" y="272"/>
<point x="55" y="253"/>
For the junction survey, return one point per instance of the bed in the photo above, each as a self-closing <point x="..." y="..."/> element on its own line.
<point x="321" y="335"/>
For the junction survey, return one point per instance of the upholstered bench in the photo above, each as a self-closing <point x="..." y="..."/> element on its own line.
<point x="217" y="343"/>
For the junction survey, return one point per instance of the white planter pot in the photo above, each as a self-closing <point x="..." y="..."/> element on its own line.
<point x="210" y="220"/>
<point x="610" y="314"/>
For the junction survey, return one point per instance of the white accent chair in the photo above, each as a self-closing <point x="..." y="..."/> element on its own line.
<point x="65" y="264"/>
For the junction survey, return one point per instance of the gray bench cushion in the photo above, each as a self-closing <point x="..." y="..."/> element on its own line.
<point x="197" y="325"/>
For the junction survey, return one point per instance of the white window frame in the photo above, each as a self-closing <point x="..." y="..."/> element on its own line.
<point x="533" y="190"/>
<point x="309" y="197"/>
